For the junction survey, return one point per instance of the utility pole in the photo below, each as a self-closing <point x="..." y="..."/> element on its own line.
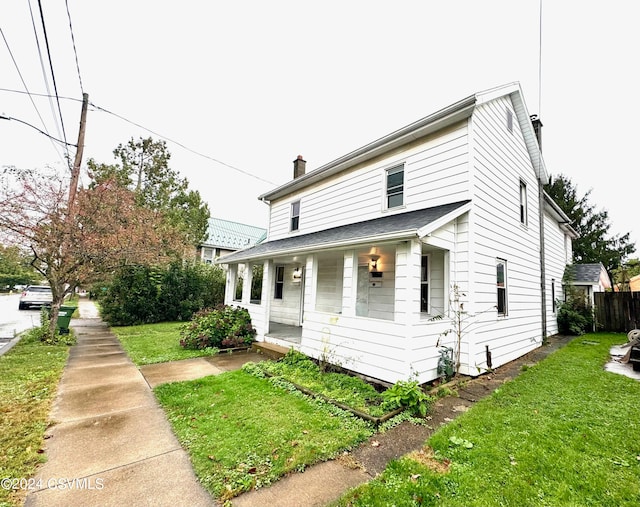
<point x="75" y="170"/>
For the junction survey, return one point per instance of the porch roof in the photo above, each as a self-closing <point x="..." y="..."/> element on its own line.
<point x="397" y="226"/>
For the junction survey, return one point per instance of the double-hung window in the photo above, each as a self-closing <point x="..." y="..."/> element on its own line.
<point x="501" y="286"/>
<point x="279" y="287"/>
<point x="395" y="187"/>
<point x="523" y="202"/>
<point x="424" y="285"/>
<point x="295" y="215"/>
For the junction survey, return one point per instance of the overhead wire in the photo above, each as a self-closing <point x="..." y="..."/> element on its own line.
<point x="15" y="63"/>
<point x="53" y="78"/>
<point x="98" y="108"/>
<point x="44" y="72"/>
<point x="73" y="42"/>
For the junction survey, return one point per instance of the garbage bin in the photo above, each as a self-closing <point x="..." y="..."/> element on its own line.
<point x="64" y="318"/>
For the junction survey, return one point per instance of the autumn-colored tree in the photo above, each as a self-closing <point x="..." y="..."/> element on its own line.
<point x="144" y="168"/>
<point x="105" y="231"/>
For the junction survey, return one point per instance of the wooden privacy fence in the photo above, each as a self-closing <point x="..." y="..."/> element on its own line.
<point x="617" y="312"/>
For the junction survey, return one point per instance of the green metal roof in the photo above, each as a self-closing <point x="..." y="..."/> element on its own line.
<point x="232" y="235"/>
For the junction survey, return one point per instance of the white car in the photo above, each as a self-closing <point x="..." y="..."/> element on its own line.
<point x="35" y="295"/>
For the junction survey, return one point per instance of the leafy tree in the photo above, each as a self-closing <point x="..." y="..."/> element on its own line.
<point x="623" y="275"/>
<point x="595" y="243"/>
<point x="144" y="168"/>
<point x="106" y="230"/>
<point x="14" y="267"/>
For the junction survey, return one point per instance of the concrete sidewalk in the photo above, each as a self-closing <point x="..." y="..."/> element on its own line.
<point x="111" y="444"/>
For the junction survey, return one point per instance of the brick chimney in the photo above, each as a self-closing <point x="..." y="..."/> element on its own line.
<point x="537" y="128"/>
<point x="299" y="165"/>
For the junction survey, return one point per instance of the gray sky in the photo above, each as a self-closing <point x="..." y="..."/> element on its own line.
<point x="253" y="84"/>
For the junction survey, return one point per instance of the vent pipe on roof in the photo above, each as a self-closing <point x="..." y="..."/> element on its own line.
<point x="299" y="166"/>
<point x="537" y="128"/>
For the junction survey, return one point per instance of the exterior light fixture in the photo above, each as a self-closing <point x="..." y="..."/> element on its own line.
<point x="297" y="274"/>
<point x="373" y="265"/>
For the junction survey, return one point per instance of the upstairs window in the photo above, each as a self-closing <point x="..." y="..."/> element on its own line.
<point x="509" y="120"/>
<point x="523" y="202"/>
<point x="395" y="187"/>
<point x="501" y="285"/>
<point x="295" y="215"/>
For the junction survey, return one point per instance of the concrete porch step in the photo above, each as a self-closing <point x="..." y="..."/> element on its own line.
<point x="271" y="350"/>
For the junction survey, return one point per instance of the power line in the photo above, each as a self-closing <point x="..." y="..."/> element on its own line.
<point x="44" y="72"/>
<point x="53" y="76"/>
<point x="15" y="63"/>
<point x="34" y="127"/>
<point x="246" y="173"/>
<point x="73" y="42"/>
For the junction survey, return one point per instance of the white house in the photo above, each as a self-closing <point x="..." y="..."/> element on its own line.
<point x="365" y="254"/>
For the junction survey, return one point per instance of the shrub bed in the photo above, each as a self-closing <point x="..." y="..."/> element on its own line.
<point x="223" y="327"/>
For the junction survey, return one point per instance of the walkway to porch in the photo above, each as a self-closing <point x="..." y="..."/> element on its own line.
<point x="285" y="332"/>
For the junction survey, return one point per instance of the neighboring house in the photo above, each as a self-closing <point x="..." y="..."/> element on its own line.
<point x="634" y="283"/>
<point x="363" y="253"/>
<point x="586" y="279"/>
<point x="224" y="237"/>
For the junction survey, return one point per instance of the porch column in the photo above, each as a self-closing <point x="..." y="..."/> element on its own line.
<point x="267" y="283"/>
<point x="310" y="282"/>
<point x="349" y="285"/>
<point x="408" y="268"/>
<point x="246" y="284"/>
<point x="230" y="284"/>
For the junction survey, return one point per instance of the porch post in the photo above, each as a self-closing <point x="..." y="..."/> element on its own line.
<point x="349" y="287"/>
<point x="311" y="276"/>
<point x="267" y="283"/>
<point x="230" y="285"/>
<point x="246" y="284"/>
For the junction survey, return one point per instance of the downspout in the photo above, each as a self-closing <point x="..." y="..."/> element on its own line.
<point x="537" y="127"/>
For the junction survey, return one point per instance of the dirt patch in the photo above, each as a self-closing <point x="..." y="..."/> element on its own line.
<point x="407" y="438"/>
<point x="426" y="458"/>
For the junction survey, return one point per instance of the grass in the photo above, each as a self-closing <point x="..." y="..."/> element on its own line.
<point x="155" y="343"/>
<point x="563" y="433"/>
<point x="346" y="389"/>
<point x="29" y="375"/>
<point x="243" y="432"/>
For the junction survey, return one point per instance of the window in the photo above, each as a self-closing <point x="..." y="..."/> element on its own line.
<point x="509" y="120"/>
<point x="424" y="285"/>
<point x="523" y="202"/>
<point x="295" y="215"/>
<point x="395" y="186"/>
<point x="553" y="295"/>
<point x="501" y="284"/>
<point x="257" y="272"/>
<point x="279" y="288"/>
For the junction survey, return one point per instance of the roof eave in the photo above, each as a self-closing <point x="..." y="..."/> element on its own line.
<point x="452" y="114"/>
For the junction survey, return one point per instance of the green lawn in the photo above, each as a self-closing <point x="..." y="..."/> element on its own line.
<point x="243" y="432"/>
<point x="563" y="433"/>
<point x="29" y="375"/>
<point x="155" y="343"/>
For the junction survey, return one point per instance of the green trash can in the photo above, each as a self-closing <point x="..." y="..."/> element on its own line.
<point x="64" y="318"/>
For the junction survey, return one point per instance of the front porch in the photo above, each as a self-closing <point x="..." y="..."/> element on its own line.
<point x="284" y="333"/>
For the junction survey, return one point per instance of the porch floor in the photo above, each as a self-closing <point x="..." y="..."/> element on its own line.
<point x="291" y="334"/>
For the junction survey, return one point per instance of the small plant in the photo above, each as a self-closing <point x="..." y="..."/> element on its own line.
<point x="575" y="316"/>
<point x="221" y="327"/>
<point x="407" y="394"/>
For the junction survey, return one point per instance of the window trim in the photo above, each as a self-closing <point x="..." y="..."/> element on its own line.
<point x="279" y="282"/>
<point x="524" y="203"/>
<point x="427" y="282"/>
<point x="504" y="288"/>
<point x="393" y="192"/>
<point x="294" y="221"/>
<point x="509" y="120"/>
<point x="553" y="295"/>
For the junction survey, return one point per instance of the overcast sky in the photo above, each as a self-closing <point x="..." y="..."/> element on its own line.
<point x="252" y="84"/>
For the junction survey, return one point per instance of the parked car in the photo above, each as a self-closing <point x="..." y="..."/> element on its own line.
<point x="35" y="295"/>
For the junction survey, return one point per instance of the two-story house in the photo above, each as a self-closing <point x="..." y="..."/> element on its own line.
<point x="365" y="255"/>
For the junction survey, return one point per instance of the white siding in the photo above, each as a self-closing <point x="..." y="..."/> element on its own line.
<point x="501" y="162"/>
<point x="555" y="263"/>
<point x="287" y="309"/>
<point x="436" y="172"/>
<point x="329" y="283"/>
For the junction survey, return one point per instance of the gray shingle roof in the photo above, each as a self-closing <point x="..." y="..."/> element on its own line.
<point x="583" y="273"/>
<point x="400" y="224"/>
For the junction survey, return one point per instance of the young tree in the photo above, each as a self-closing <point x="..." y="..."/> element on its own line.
<point x="595" y="243"/>
<point x="622" y="276"/>
<point x="144" y="168"/>
<point x="106" y="230"/>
